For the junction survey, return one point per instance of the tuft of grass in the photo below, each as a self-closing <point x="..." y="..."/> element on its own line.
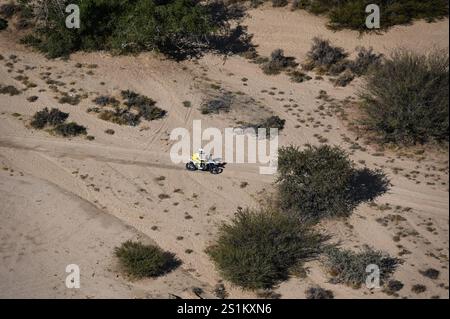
<point x="257" y="249"/>
<point x="139" y="260"/>
<point x="349" y="267"/>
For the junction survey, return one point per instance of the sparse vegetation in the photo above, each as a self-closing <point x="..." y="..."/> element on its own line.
<point x="418" y="289"/>
<point x="430" y="273"/>
<point x="349" y="267"/>
<point x="139" y="260"/>
<point x="321" y="182"/>
<point x="257" y="249"/>
<point x="323" y="55"/>
<point x="406" y="100"/>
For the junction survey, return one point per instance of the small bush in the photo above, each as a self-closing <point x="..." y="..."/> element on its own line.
<point x="318" y="293"/>
<point x="349" y="267"/>
<point x="7" y="10"/>
<point x="46" y="117"/>
<point x="406" y="99"/>
<point x="344" y="79"/>
<point x="430" y="273"/>
<point x="418" y="289"/>
<point x="323" y="55"/>
<point x="257" y="249"/>
<point x="70" y="129"/>
<point x="139" y="260"/>
<point x="321" y="182"/>
<point x="218" y="104"/>
<point x="278" y="62"/>
<point x="299" y="77"/>
<point x="144" y="105"/>
<point x="9" y="89"/>
<point x="365" y="60"/>
<point x="393" y="286"/>
<point x="104" y="100"/>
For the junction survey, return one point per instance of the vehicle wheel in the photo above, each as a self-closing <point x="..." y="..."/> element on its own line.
<point x="191" y="166"/>
<point x="216" y="170"/>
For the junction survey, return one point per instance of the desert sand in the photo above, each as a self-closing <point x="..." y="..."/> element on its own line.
<point x="65" y="201"/>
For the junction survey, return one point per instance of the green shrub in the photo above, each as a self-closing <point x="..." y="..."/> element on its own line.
<point x="351" y="13"/>
<point x="348" y="267"/>
<point x="279" y="3"/>
<point x="405" y="100"/>
<point x="139" y="260"/>
<point x="46" y="117"/>
<point x="258" y="248"/>
<point x="175" y="27"/>
<point x="321" y="182"/>
<point x="70" y="129"/>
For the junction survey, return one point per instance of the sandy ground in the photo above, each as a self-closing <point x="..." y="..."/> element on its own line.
<point x="66" y="201"/>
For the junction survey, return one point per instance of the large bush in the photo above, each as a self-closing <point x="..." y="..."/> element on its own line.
<point x="127" y="26"/>
<point x="406" y="98"/>
<point x="258" y="248"/>
<point x="139" y="260"/>
<point x="351" y="13"/>
<point x="321" y="182"/>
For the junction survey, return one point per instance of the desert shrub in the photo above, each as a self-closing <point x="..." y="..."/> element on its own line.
<point x="318" y="293"/>
<point x="349" y="267"/>
<point x="365" y="60"/>
<point x="430" y="273"/>
<point x="104" y="100"/>
<point x="120" y="116"/>
<point x="3" y="24"/>
<point x="351" y="13"/>
<point x="139" y="260"/>
<point x="405" y="100"/>
<point x="257" y="248"/>
<point x="393" y="286"/>
<point x="321" y="182"/>
<point x="323" y="55"/>
<point x="145" y="106"/>
<point x="9" y="89"/>
<point x="46" y="117"/>
<point x="70" y="129"/>
<point x="176" y="27"/>
<point x="217" y="104"/>
<point x="299" y="77"/>
<point x="70" y="99"/>
<point x="278" y="62"/>
<point x="344" y="79"/>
